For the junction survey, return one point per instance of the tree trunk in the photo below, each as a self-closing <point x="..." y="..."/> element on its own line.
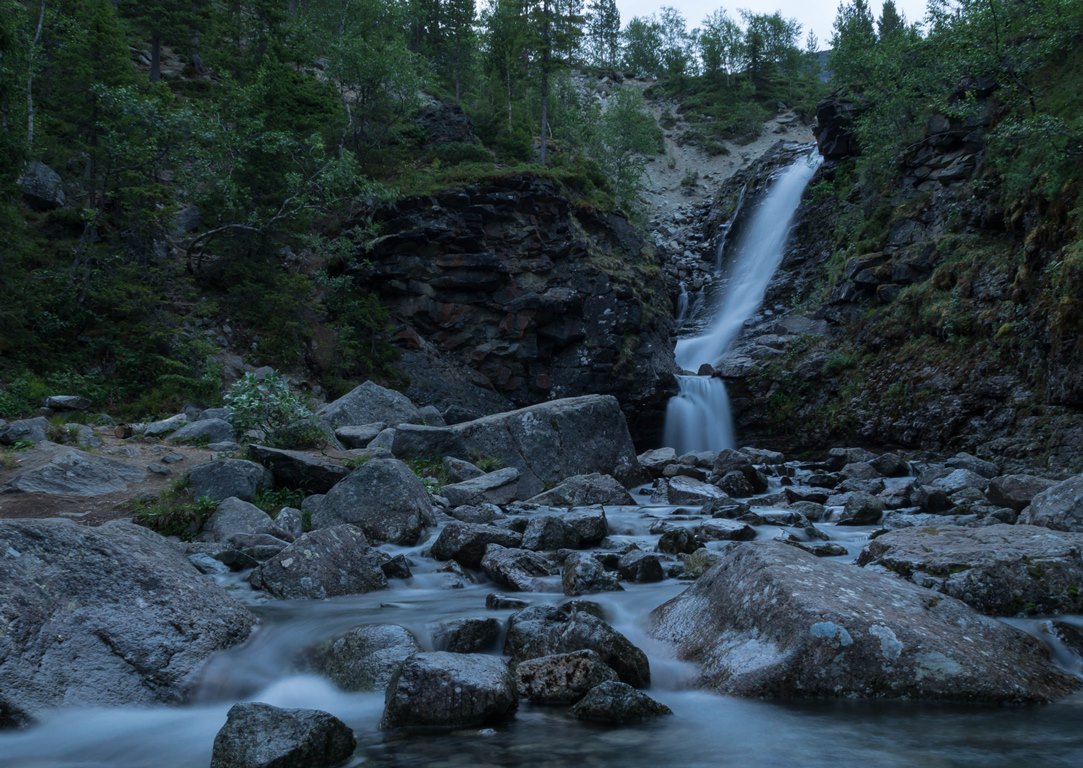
<point x="546" y="52"/>
<point x="30" y="79"/>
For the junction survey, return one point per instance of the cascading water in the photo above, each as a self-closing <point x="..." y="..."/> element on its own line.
<point x="698" y="417"/>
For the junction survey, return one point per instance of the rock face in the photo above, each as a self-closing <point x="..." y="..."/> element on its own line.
<point x="534" y="298"/>
<point x="383" y="498"/>
<point x="1001" y="570"/>
<point x="547" y="443"/>
<point x="261" y="736"/>
<point x="331" y="561"/>
<point x="773" y="621"/>
<point x="72" y="472"/>
<point x="450" y="690"/>
<point x="369" y="403"/>
<point x="1059" y="507"/>
<point x="105" y="616"/>
<point x="364" y="658"/>
<point x="548" y="630"/>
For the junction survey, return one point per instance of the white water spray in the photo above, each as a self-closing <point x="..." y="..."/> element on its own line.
<point x="699" y="418"/>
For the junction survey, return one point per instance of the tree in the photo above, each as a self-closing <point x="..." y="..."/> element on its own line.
<point x="676" y="51"/>
<point x="721" y="43"/>
<point x="852" y="45"/>
<point x="557" y="27"/>
<point x="603" y="33"/>
<point x="891" y="23"/>
<point x="770" y="43"/>
<point x="460" y="42"/>
<point x="164" y="21"/>
<point x="642" y="46"/>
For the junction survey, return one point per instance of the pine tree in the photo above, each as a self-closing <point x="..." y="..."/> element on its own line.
<point x="603" y="33"/>
<point x="172" y="22"/>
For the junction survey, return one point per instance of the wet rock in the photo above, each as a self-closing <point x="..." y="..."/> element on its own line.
<point x="109" y="616"/>
<point x="1016" y="491"/>
<point x="235" y="516"/>
<point x="679" y="541"/>
<point x="616" y="703"/>
<point x="297" y="469"/>
<point x="698" y="563"/>
<point x="450" y="690"/>
<point x="688" y="490"/>
<point x="819" y="628"/>
<point x="725" y="509"/>
<point x="724" y="530"/>
<point x="480" y="513"/>
<point x="496" y="602"/>
<point x="1059" y="507"/>
<point x="546" y="533"/>
<point x="862" y="509"/>
<point x="890" y="465"/>
<point x="562" y="678"/>
<point x="640" y="567"/>
<point x="218" y="480"/>
<point x="331" y="561"/>
<point x="655" y="461"/>
<point x="730" y="460"/>
<point x="205" y="431"/>
<point x="737" y="485"/>
<point x="547" y="443"/>
<point x="583" y="575"/>
<point x="1000" y="570"/>
<point x="465" y="543"/>
<point x="71" y="472"/>
<point x="837" y="458"/>
<point x="514" y="568"/>
<point x="548" y="630"/>
<point x="466" y="635"/>
<point x="364" y="658"/>
<point x="796" y="493"/>
<point x="809" y="509"/>
<point x="986" y="469"/>
<point x="382" y="497"/>
<point x="590" y="525"/>
<point x="261" y="736"/>
<point x="367" y="404"/>
<point x="586" y="490"/>
<point x="497" y="487"/>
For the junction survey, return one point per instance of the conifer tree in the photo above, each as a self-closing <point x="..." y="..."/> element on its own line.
<point x="603" y="33"/>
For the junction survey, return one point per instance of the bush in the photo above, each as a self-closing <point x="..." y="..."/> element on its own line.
<point x="266" y="403"/>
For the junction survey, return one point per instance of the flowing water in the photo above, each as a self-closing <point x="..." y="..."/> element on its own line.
<point x="706" y="729"/>
<point x="698" y="417"/>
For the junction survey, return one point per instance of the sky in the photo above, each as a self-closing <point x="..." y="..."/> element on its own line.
<point x="815" y="14"/>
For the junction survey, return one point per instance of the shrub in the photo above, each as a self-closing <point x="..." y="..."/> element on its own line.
<point x="266" y="403"/>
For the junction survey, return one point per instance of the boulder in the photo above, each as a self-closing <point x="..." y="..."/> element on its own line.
<point x="108" y="616"/>
<point x="862" y="509"/>
<point x="514" y="568"/>
<point x="656" y="460"/>
<point x="724" y="530"/>
<point x="547" y="443"/>
<point x="773" y="621"/>
<point x="585" y="490"/>
<point x="359" y="435"/>
<point x="837" y="458"/>
<point x="688" y="490"/>
<point x="590" y="525"/>
<point x="890" y="465"/>
<point x="545" y="533"/>
<point x="546" y="630"/>
<point x="42" y="187"/>
<point x="465" y="543"/>
<point x="205" y="431"/>
<point x="369" y="403"/>
<point x="219" y="479"/>
<point x="460" y="469"/>
<point x="234" y="516"/>
<point x="1016" y="491"/>
<point x="363" y="659"/>
<point x="466" y="635"/>
<point x="958" y="480"/>
<point x="562" y="678"/>
<point x="71" y="472"/>
<point x="24" y="431"/>
<point x="382" y="497"/>
<point x="450" y="690"/>
<point x="617" y="703"/>
<point x="676" y="541"/>
<point x="1059" y="507"/>
<point x="640" y="567"/>
<point x="297" y="469"/>
<point x="986" y="469"/>
<point x="480" y="513"/>
<point x="261" y="736"/>
<point x="165" y="427"/>
<point x="1001" y="570"/>
<point x="67" y="403"/>
<point x="497" y="487"/>
<point x="583" y="575"/>
<point x="331" y="561"/>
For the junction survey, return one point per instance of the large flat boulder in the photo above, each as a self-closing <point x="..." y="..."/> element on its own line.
<point x="774" y="621"/>
<point x="71" y="472"/>
<point x="108" y="616"/>
<point x="584" y="490"/>
<point x="297" y="469"/>
<point x="220" y="479"/>
<point x="547" y="443"/>
<point x="369" y="403"/>
<point x="383" y="498"/>
<point x="450" y="690"/>
<point x="498" y="487"/>
<point x="1001" y="570"/>
<point x="324" y="563"/>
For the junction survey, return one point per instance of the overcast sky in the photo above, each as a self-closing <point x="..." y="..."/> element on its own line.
<point x="815" y="14"/>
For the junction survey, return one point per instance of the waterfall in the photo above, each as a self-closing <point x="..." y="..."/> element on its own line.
<point x="698" y="417"/>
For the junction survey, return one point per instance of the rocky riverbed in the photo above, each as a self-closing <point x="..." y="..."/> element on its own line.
<point x="572" y="582"/>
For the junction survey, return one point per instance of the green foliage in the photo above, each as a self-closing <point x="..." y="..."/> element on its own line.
<point x="173" y="512"/>
<point x="267" y="404"/>
<point x="273" y="500"/>
<point x="431" y="472"/>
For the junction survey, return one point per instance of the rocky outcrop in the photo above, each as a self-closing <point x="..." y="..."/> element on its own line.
<point x="835" y="128"/>
<point x="108" y="616"/>
<point x="1001" y="570"/>
<point x="541" y="299"/>
<point x="546" y="443"/>
<point x="71" y="472"/>
<point x="261" y="736"/>
<point x="773" y="621"/>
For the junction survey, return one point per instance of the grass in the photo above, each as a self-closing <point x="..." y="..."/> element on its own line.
<point x="173" y="512"/>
